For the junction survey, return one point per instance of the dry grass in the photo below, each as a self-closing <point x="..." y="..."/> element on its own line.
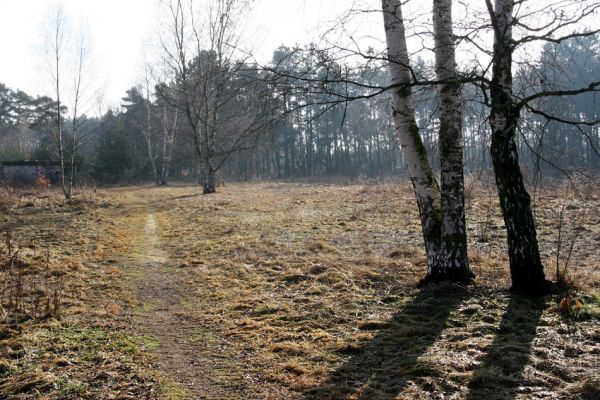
<point x="64" y="329"/>
<point x="315" y="286"/>
<point x="308" y="291"/>
<point x="7" y="198"/>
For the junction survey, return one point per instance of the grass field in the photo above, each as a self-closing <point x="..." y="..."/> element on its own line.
<point x="286" y="291"/>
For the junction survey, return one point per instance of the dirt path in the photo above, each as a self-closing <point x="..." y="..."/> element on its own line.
<point x="180" y="346"/>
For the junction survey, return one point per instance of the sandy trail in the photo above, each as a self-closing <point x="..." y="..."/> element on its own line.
<point x="162" y="317"/>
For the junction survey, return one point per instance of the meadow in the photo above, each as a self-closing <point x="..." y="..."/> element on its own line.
<point x="283" y="290"/>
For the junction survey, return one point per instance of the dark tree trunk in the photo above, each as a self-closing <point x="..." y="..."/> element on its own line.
<point x="209" y="178"/>
<point x="452" y="263"/>
<point x="527" y="271"/>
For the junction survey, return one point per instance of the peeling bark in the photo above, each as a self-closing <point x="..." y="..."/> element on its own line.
<point x="452" y="263"/>
<point x="414" y="152"/>
<point x="442" y="212"/>
<point x="527" y="271"/>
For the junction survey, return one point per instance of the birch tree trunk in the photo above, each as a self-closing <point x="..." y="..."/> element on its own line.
<point x="168" y="140"/>
<point x="59" y="133"/>
<point x="415" y="155"/>
<point x="56" y="39"/>
<point x="147" y="132"/>
<point x="75" y="123"/>
<point x="148" y="137"/>
<point x="163" y="165"/>
<point x="527" y="272"/>
<point x="208" y="176"/>
<point x="452" y="262"/>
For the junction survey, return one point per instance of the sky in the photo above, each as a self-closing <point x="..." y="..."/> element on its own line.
<point x="120" y="33"/>
<point x="123" y="34"/>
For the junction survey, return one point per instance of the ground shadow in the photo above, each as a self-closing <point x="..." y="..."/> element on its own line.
<point x="382" y="367"/>
<point x="501" y="371"/>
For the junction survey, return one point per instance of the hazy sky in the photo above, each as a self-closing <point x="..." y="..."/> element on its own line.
<point x="121" y="34"/>
<point x="119" y="30"/>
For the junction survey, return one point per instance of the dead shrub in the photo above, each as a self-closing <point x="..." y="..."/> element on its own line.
<point x="29" y="289"/>
<point x="8" y="198"/>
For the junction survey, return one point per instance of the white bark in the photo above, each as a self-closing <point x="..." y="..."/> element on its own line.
<point x="147" y="132"/>
<point x="80" y="67"/>
<point x="168" y="140"/>
<point x="415" y="155"/>
<point x="453" y="261"/>
<point x="56" y="41"/>
<point x="62" y="56"/>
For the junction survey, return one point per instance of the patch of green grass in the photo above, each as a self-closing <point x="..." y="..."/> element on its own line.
<point x="146" y="307"/>
<point x="187" y="303"/>
<point x="585" y="306"/>
<point x="149" y="343"/>
<point x="83" y="343"/>
<point x="136" y="273"/>
<point x="202" y="336"/>
<point x="70" y="388"/>
<point x="172" y="391"/>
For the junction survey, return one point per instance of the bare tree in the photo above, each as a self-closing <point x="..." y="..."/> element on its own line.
<point x="76" y="120"/>
<point x="147" y="131"/>
<point x="453" y="262"/>
<point x="441" y="212"/>
<point x="66" y="59"/>
<point x="169" y="117"/>
<point x="213" y="85"/>
<point x="56" y="42"/>
<point x="551" y="22"/>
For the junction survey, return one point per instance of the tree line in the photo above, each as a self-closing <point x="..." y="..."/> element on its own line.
<point x="147" y="137"/>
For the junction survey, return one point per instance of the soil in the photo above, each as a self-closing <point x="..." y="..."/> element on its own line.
<point x="163" y="317"/>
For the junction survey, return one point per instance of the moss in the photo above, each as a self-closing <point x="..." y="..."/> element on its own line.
<point x="170" y="390"/>
<point x="70" y="388"/>
<point x="148" y="343"/>
<point x="147" y="307"/>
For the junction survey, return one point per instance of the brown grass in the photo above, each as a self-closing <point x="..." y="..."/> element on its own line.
<point x="310" y="292"/>
<point x="63" y="332"/>
<point x="321" y="276"/>
<point x="7" y="198"/>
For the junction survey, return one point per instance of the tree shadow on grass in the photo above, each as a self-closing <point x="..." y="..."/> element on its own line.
<point x="501" y="371"/>
<point x="381" y="368"/>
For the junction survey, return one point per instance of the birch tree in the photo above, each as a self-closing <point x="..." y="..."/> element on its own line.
<point x="453" y="261"/>
<point x="77" y="117"/>
<point x="527" y="271"/>
<point x="147" y="130"/>
<point x="553" y="23"/>
<point x="214" y="87"/>
<point x="441" y="212"/>
<point x="415" y="155"/>
<point x="55" y="45"/>
<point x="169" y="122"/>
<point x="67" y="67"/>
